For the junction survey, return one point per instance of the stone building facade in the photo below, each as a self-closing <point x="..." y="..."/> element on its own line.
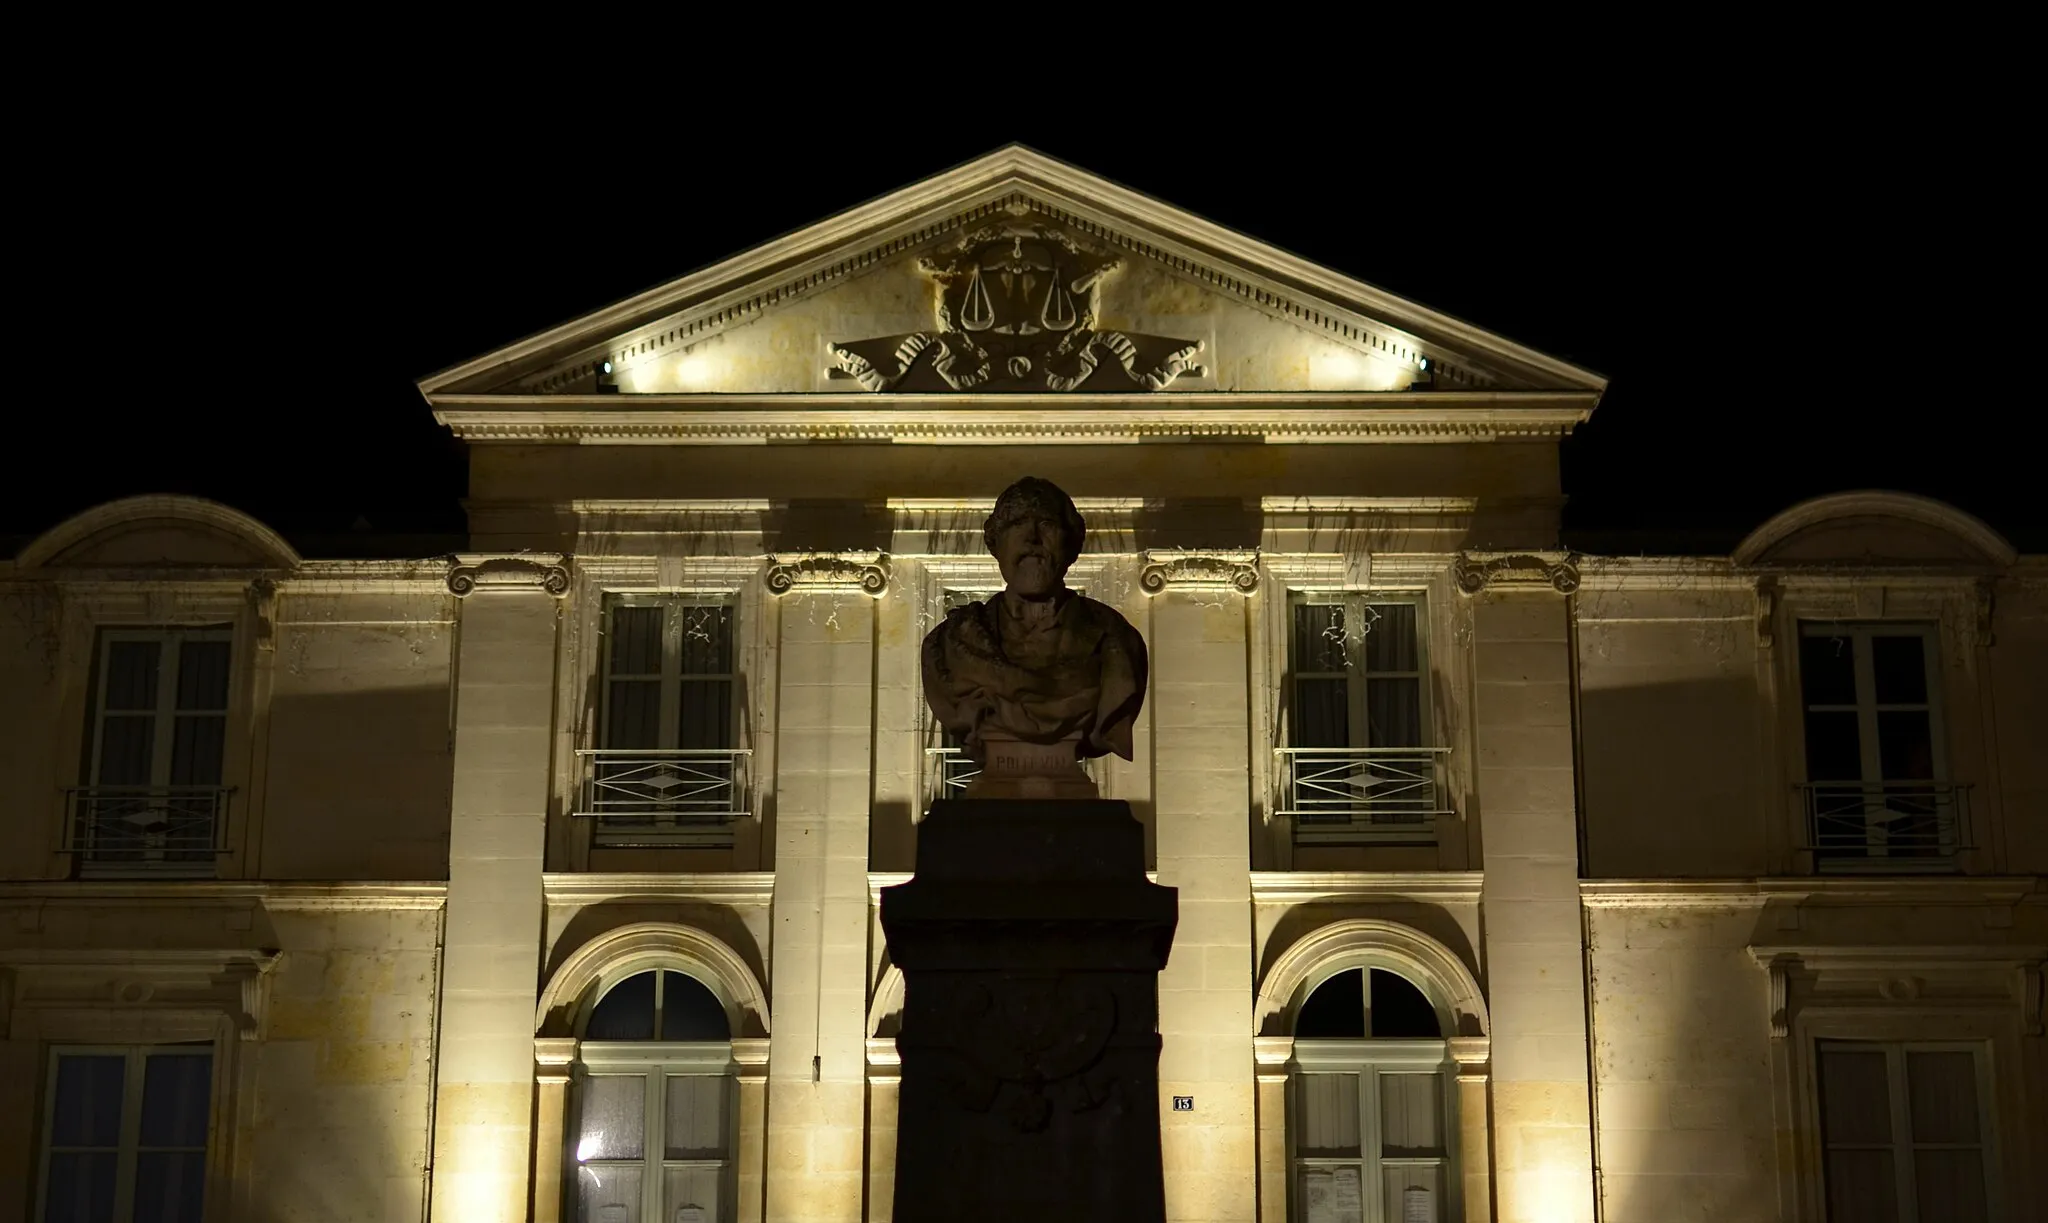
<point x="539" y="882"/>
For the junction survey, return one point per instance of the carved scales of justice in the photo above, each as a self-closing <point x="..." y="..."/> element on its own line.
<point x="1015" y="307"/>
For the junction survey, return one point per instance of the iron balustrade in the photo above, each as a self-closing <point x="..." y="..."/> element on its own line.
<point x="146" y="830"/>
<point x="1361" y="795"/>
<point x="653" y="797"/>
<point x="1885" y="826"/>
<point x="953" y="770"/>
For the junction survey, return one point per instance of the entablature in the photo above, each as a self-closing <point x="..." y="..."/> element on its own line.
<point x="965" y="419"/>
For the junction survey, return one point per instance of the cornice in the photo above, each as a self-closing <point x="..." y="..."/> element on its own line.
<point x="1298" y="887"/>
<point x="1980" y="891"/>
<point x="1874" y="503"/>
<point x="111" y="516"/>
<point x="937" y="419"/>
<point x="331" y="897"/>
<point x="727" y="888"/>
<point x="1261" y="276"/>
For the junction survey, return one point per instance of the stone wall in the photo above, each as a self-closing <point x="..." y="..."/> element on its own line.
<point x="359" y="748"/>
<point x="343" y="1083"/>
<point x="1671" y="733"/>
<point x="1681" y="1047"/>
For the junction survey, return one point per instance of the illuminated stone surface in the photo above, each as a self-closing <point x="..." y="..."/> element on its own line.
<point x="1616" y="910"/>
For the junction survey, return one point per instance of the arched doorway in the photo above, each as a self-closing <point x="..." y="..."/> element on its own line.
<point x="1373" y="1104"/>
<point x="651" y="1057"/>
<point x="654" y="1102"/>
<point x="1372" y="1079"/>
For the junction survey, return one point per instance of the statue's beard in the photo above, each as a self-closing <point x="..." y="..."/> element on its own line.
<point x="1034" y="576"/>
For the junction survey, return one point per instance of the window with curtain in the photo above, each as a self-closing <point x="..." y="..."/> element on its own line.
<point x="1874" y="763"/>
<point x="1371" y="1105"/>
<point x="1904" y="1132"/>
<point x="1356" y="667"/>
<point x="153" y="795"/>
<point x="669" y="673"/>
<point x="124" y="1134"/>
<point x="654" y="1135"/>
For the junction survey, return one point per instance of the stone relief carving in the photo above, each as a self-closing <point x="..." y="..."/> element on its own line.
<point x="828" y="572"/>
<point x="1015" y="308"/>
<point x="541" y="571"/>
<point x="1235" y="570"/>
<point x="1039" y="1037"/>
<point x="1474" y="572"/>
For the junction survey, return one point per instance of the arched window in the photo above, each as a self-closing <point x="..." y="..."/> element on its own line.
<point x="655" y="1118"/>
<point x="1373" y="1104"/>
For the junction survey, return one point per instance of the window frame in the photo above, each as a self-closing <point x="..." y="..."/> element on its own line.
<point x="671" y="677"/>
<point x="128" y="1148"/>
<point x="1357" y="676"/>
<point x="1369" y="1058"/>
<point x="171" y="640"/>
<point x="1861" y="634"/>
<point x="1902" y="1146"/>
<point x="654" y="1062"/>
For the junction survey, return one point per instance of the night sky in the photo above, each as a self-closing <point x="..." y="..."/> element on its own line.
<point x="1779" y="318"/>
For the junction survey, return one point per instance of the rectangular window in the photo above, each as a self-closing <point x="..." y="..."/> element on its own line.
<point x="1904" y="1132"/>
<point x="125" y="1135"/>
<point x="153" y="801"/>
<point x="1877" y="790"/>
<point x="1359" y="765"/>
<point x="668" y="770"/>
<point x="1356" y="665"/>
<point x="669" y="673"/>
<point x="655" y="1145"/>
<point x="1370" y="1137"/>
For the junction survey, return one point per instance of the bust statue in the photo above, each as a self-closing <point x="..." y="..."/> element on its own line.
<point x="1038" y="669"/>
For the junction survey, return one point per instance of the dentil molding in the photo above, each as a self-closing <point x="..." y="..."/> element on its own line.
<point x="510" y="573"/>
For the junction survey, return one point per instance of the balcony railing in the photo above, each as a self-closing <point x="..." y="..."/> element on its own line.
<point x="952" y="770"/>
<point x="1885" y="826"/>
<point x="1363" y="795"/>
<point x="153" y="831"/>
<point x="652" y="798"/>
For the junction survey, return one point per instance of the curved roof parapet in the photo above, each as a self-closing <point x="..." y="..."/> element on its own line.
<point x="1875" y="527"/>
<point x="159" y="530"/>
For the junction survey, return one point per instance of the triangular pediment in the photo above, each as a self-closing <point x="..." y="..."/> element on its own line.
<point x="1013" y="273"/>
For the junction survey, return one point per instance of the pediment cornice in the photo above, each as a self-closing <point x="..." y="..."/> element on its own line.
<point x="1017" y="182"/>
<point x="1278" y="417"/>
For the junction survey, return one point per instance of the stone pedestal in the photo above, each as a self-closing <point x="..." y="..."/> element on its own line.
<point x="1030" y="944"/>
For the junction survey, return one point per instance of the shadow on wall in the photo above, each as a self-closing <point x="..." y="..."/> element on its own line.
<point x="1674" y="786"/>
<point x="358" y="785"/>
<point x="1682" y="1049"/>
<point x="827" y="526"/>
<point x="1199" y="523"/>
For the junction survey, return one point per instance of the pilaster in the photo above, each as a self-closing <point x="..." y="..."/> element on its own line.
<point x="885" y="1082"/>
<point x="1201" y="753"/>
<point x="485" y="1076"/>
<point x="1271" y="1055"/>
<point x="817" y="1070"/>
<point x="1542" y="1117"/>
<point x="552" y="1057"/>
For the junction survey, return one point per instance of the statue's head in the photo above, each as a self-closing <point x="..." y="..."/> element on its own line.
<point x="1035" y="533"/>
